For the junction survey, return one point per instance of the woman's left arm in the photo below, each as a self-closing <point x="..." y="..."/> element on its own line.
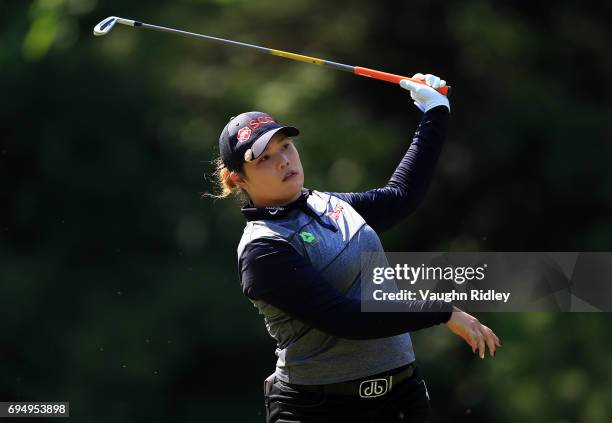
<point x="384" y="207"/>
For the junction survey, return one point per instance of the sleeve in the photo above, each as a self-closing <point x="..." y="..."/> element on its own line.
<point x="384" y="207"/>
<point x="274" y="272"/>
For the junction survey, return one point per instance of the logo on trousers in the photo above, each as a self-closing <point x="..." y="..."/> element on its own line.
<point x="373" y="388"/>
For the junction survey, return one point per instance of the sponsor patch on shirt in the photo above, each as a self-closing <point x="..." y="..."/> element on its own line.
<point x="335" y="214"/>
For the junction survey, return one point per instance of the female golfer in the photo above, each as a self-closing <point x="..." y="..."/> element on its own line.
<point x="300" y="264"/>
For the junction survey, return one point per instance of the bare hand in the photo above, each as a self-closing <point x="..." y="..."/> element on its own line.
<point x="475" y="333"/>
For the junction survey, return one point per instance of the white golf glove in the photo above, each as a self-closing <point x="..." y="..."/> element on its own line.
<point x="425" y="96"/>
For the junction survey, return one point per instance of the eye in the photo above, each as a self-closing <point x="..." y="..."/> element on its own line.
<point x="264" y="158"/>
<point x="285" y="146"/>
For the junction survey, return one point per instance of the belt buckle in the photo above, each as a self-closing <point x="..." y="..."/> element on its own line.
<point x="373" y="388"/>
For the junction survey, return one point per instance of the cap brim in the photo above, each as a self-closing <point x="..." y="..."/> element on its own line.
<point x="261" y="143"/>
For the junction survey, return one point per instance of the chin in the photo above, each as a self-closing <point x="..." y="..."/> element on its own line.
<point x="299" y="185"/>
<point x="294" y="190"/>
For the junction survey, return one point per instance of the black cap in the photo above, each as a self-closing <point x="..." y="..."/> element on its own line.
<point x="246" y="136"/>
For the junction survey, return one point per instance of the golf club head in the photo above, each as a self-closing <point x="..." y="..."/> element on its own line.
<point x="105" y="26"/>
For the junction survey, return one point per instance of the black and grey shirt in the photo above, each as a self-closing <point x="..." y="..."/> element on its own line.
<point x="300" y="265"/>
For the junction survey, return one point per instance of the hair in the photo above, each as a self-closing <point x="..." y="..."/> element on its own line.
<point x="224" y="186"/>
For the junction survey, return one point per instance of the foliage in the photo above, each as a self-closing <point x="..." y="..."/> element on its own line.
<point x="119" y="283"/>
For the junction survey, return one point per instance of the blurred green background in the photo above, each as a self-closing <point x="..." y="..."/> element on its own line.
<point x="119" y="285"/>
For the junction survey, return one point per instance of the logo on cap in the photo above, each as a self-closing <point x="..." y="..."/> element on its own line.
<point x="244" y="134"/>
<point x="261" y="120"/>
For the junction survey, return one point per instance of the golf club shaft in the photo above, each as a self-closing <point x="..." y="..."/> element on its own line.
<point x="357" y="70"/>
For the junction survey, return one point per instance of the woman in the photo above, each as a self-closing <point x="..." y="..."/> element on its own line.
<point x="299" y="263"/>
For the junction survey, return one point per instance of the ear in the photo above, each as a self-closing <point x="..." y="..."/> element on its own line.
<point x="238" y="179"/>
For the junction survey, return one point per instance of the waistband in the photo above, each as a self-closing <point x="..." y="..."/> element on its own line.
<point x="368" y="387"/>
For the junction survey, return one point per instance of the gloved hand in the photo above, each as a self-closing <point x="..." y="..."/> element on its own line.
<point x="425" y="96"/>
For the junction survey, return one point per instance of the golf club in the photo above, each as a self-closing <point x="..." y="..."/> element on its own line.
<point x="107" y="24"/>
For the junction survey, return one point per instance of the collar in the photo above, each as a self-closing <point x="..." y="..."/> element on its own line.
<point x="258" y="213"/>
<point x="262" y="213"/>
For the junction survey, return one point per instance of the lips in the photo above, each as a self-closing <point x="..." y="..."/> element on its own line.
<point x="289" y="174"/>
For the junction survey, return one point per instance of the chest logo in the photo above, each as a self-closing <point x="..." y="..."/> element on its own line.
<point x="335" y="214"/>
<point x="307" y="237"/>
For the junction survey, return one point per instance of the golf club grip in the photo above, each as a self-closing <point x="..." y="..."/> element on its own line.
<point x="395" y="79"/>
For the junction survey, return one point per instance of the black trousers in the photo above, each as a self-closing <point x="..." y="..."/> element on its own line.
<point x="407" y="402"/>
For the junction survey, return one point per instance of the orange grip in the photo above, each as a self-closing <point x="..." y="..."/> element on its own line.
<point x="395" y="79"/>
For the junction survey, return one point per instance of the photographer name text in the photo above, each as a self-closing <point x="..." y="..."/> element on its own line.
<point x="426" y="294"/>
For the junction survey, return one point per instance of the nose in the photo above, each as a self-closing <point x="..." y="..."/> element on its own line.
<point x="283" y="160"/>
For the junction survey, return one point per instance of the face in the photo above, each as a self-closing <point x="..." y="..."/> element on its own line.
<point x="276" y="177"/>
